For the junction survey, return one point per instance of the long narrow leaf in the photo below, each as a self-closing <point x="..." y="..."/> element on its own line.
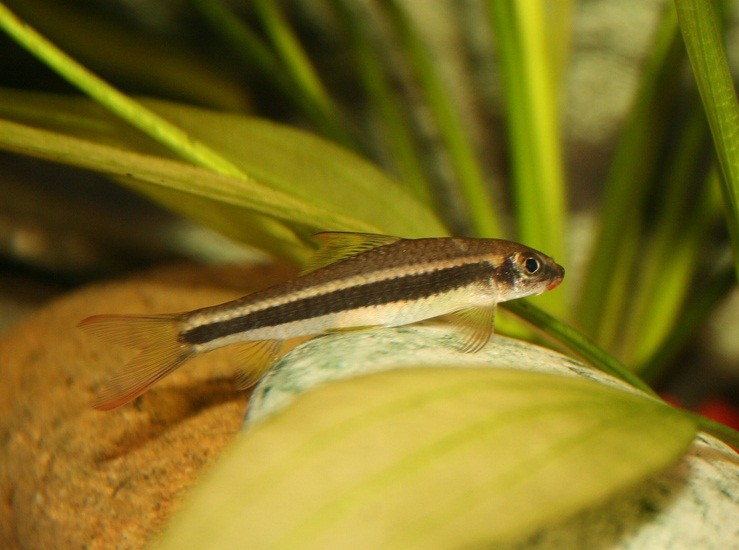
<point x="290" y="51"/>
<point x="575" y="341"/>
<point x="123" y="106"/>
<point x="389" y="107"/>
<point x="196" y="182"/>
<point x="713" y="291"/>
<point x="473" y="187"/>
<point x="682" y="219"/>
<point x="608" y="283"/>
<point x="113" y="46"/>
<point x="704" y="43"/>
<point x="288" y="160"/>
<point x="255" y="53"/>
<point x="531" y="101"/>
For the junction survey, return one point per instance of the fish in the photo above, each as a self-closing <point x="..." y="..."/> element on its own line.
<point x="354" y="281"/>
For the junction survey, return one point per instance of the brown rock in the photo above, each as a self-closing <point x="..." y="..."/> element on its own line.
<point x="71" y="476"/>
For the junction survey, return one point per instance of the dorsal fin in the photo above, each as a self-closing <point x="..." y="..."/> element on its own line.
<point x="336" y="246"/>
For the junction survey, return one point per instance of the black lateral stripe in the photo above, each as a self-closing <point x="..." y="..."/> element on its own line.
<point x="409" y="287"/>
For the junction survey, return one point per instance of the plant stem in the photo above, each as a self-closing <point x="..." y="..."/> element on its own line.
<point x="723" y="432"/>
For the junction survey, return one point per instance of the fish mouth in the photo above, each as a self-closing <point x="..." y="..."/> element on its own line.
<point x="558" y="279"/>
<point x="554" y="284"/>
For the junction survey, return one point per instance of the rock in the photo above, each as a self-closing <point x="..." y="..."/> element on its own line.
<point x="71" y="476"/>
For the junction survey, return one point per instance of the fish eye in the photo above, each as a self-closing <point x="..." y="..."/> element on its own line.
<point x="532" y="265"/>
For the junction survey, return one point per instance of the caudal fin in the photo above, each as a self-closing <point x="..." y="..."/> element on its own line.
<point x="157" y="336"/>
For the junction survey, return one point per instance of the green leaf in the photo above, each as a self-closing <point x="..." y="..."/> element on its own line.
<point x="576" y="341"/>
<point x="470" y="176"/>
<point x="116" y="50"/>
<point x="704" y="43"/>
<point x="532" y="101"/>
<point x="256" y="55"/>
<point x="291" y="53"/>
<point x="432" y="457"/>
<point x="310" y="184"/>
<point x="309" y="168"/>
<point x="370" y="57"/>
<point x="532" y="111"/>
<point x="608" y="286"/>
<point x="123" y="106"/>
<point x="336" y="188"/>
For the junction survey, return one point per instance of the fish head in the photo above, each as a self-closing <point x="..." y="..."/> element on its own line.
<point x="526" y="272"/>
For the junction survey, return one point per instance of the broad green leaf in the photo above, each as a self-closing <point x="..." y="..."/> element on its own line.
<point x="203" y="188"/>
<point x="430" y="458"/>
<point x="287" y="158"/>
<point x="310" y="176"/>
<point x="308" y="167"/>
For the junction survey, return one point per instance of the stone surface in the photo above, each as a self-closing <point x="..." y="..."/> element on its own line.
<point x="73" y="477"/>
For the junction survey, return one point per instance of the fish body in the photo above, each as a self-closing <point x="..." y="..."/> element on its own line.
<point x="356" y="281"/>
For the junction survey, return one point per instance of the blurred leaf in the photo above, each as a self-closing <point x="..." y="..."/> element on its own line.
<point x="284" y="159"/>
<point x="608" y="285"/>
<point x="308" y="167"/>
<point x="532" y="114"/>
<point x="257" y="56"/>
<point x="432" y="458"/>
<point x="370" y="61"/>
<point x="291" y="53"/>
<point x="682" y="218"/>
<point x="349" y="194"/>
<point x="693" y="316"/>
<point x="704" y="43"/>
<point x="473" y="186"/>
<point x="559" y="14"/>
<point x="117" y="51"/>
<point x="123" y="106"/>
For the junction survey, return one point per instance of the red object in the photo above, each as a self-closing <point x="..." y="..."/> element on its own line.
<point x="721" y="410"/>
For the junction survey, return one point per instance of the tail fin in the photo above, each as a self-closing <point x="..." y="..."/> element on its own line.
<point x="157" y="336"/>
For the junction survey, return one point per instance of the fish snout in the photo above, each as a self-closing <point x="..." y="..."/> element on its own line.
<point x="559" y="274"/>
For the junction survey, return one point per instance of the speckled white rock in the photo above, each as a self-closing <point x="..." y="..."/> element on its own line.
<point x="693" y="504"/>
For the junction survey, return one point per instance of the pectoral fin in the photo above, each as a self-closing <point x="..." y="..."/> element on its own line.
<point x="336" y="246"/>
<point x="474" y="325"/>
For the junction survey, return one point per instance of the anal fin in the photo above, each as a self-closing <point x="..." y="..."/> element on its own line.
<point x="258" y="357"/>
